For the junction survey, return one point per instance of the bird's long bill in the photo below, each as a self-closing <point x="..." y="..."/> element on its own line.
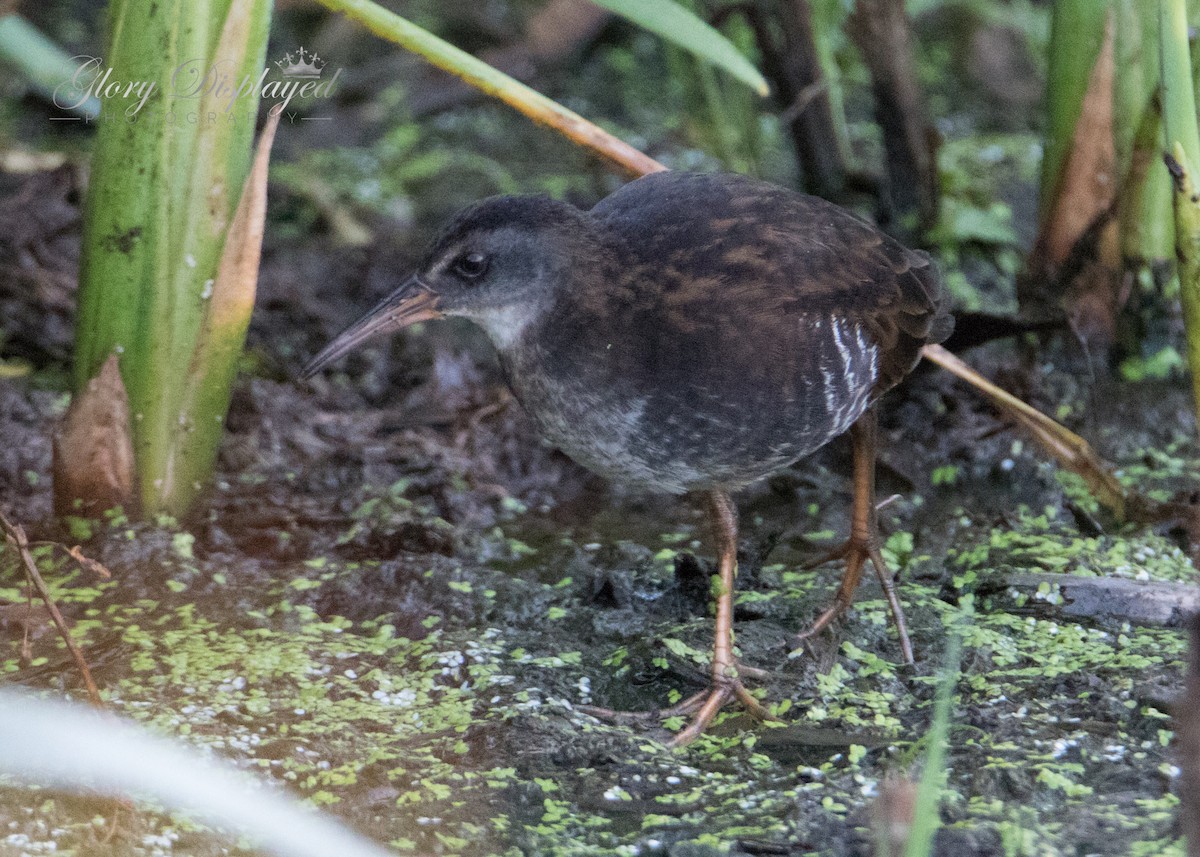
<point x="410" y="303"/>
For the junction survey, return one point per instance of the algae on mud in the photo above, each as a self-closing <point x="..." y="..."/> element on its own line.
<point x="429" y="698"/>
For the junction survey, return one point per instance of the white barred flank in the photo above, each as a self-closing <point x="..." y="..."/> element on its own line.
<point x="849" y="370"/>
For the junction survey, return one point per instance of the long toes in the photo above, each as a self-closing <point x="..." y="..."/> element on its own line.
<point x="753" y="707"/>
<point x="857" y="553"/>
<point x="823" y="621"/>
<point x="702" y="706"/>
<point x="752" y="672"/>
<point x="893" y="600"/>
<point x="717" y="697"/>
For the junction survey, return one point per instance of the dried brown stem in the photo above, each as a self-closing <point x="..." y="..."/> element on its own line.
<point x="14" y="534"/>
<point x="1068" y="449"/>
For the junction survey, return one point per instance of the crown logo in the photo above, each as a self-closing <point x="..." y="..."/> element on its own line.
<point x="305" y="64"/>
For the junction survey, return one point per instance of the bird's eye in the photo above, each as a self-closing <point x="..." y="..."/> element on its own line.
<point x="472" y="266"/>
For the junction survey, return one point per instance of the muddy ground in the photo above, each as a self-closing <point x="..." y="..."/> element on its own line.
<point x="396" y="598"/>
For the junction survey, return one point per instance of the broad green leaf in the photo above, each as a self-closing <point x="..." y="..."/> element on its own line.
<point x="676" y="24"/>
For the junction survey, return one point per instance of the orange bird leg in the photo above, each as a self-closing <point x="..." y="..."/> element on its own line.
<point x="863" y="543"/>
<point x="726" y="671"/>
<point x="725" y="681"/>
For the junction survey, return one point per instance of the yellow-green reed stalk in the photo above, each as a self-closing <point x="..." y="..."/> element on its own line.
<point x="172" y="155"/>
<point x="1076" y="36"/>
<point x="1183" y="146"/>
<point x="1144" y="204"/>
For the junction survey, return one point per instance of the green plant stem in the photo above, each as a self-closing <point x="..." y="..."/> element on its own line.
<point x="1144" y="200"/>
<point x="165" y="180"/>
<point x="1076" y="35"/>
<point x="1187" y="248"/>
<point x="828" y="19"/>
<point x="1183" y="144"/>
<point x="724" y="134"/>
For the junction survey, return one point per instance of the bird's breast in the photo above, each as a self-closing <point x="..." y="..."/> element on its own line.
<point x="645" y="405"/>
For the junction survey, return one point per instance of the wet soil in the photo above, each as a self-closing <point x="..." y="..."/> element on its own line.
<point x="396" y="598"/>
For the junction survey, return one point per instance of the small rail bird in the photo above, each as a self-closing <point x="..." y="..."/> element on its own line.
<point x="691" y="333"/>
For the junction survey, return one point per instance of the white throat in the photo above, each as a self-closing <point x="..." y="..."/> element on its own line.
<point x="504" y="325"/>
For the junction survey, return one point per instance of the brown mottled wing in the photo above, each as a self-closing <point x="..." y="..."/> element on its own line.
<point x="772" y="254"/>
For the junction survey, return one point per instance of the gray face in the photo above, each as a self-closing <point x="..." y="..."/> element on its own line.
<point x="499" y="278"/>
<point x="499" y="263"/>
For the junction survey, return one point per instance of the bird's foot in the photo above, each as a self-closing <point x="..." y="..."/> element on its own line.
<point x="709" y="702"/>
<point x="855" y="552"/>
<point x="702" y="707"/>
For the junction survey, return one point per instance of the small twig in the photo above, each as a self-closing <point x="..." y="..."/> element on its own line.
<point x="15" y="535"/>
<point x="887" y="501"/>
<point x="803" y="99"/>
<point x="76" y="553"/>
<point x="26" y="639"/>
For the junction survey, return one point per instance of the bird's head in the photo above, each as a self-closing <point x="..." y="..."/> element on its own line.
<point x="499" y="263"/>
